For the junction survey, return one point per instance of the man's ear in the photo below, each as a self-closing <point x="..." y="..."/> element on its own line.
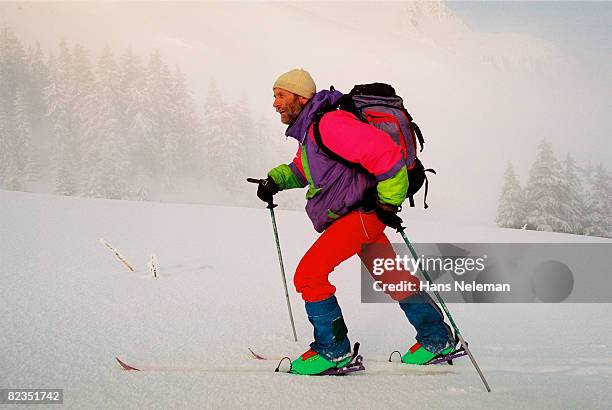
<point x="302" y="100"/>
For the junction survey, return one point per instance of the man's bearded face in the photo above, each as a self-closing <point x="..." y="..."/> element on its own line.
<point x="288" y="105"/>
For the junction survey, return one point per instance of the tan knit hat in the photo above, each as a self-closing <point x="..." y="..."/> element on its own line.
<point x="297" y="81"/>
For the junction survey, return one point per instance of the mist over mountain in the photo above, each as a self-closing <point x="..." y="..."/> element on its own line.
<point x="481" y="99"/>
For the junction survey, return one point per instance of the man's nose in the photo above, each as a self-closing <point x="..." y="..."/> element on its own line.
<point x="276" y="103"/>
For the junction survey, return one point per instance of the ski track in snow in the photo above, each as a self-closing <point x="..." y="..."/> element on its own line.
<point x="69" y="307"/>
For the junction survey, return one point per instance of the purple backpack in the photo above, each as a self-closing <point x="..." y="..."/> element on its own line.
<point x="377" y="104"/>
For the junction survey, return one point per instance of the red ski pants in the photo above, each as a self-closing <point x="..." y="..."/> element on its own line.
<point x="341" y="240"/>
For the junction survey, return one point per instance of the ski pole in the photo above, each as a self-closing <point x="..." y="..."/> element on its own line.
<point x="271" y="206"/>
<point x="450" y="318"/>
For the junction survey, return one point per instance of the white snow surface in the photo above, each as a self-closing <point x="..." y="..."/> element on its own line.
<point x="69" y="307"/>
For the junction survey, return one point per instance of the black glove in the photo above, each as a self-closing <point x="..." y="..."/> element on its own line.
<point x="388" y="215"/>
<point x="267" y="189"/>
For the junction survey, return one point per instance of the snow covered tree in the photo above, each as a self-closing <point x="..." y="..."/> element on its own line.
<point x="38" y="78"/>
<point x="598" y="220"/>
<point x="225" y="143"/>
<point x="19" y="160"/>
<point x="185" y="128"/>
<point x="4" y="149"/>
<point x="157" y="96"/>
<point x="59" y="97"/>
<point x="13" y="70"/>
<point x="136" y="119"/>
<point x="261" y="143"/>
<point x="215" y="126"/>
<point x="511" y="208"/>
<point x="16" y="145"/>
<point x="179" y="149"/>
<point x="82" y="80"/>
<point x="573" y="197"/>
<point x="544" y="193"/>
<point x="106" y="155"/>
<point x="240" y="147"/>
<point x="82" y="77"/>
<point x="251" y="151"/>
<point x="12" y="82"/>
<point x="131" y="84"/>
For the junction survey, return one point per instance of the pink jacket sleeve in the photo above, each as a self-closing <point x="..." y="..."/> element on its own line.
<point x="362" y="143"/>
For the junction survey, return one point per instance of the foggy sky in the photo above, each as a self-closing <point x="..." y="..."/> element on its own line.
<point x="481" y="99"/>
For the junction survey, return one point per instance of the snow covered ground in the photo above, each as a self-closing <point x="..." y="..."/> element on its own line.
<point x="68" y="307"/>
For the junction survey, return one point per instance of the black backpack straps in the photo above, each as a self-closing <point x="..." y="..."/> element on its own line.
<point x="416" y="129"/>
<point x="346" y="103"/>
<point x="408" y="115"/>
<point x="423" y="172"/>
<point x="411" y="197"/>
<point x="419" y="135"/>
<point x="433" y="171"/>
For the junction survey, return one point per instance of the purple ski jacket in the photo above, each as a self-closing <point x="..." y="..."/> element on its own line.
<point x="334" y="188"/>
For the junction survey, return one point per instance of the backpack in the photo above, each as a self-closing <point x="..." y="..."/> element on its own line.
<point x="377" y="104"/>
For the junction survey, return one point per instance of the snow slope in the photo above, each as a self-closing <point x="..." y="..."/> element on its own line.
<point x="69" y="307"/>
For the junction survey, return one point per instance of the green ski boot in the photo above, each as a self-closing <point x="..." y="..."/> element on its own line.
<point x="417" y="354"/>
<point x="311" y="363"/>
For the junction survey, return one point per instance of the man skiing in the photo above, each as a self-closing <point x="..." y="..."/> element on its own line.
<point x="351" y="207"/>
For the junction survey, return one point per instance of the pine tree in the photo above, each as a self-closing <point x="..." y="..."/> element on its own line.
<point x="573" y="197"/>
<point x="82" y="76"/>
<point x="19" y="163"/>
<point x="185" y="128"/>
<point x="251" y="152"/>
<point x="13" y="71"/>
<point x="136" y="120"/>
<point x="131" y="84"/>
<point x="173" y="139"/>
<point x="224" y="146"/>
<point x="82" y="80"/>
<point x="13" y="80"/>
<point x="38" y="79"/>
<point x="598" y="221"/>
<point x="511" y="208"/>
<point x="4" y="149"/>
<point x="238" y="145"/>
<point x="261" y="144"/>
<point x="158" y="86"/>
<point x="587" y="174"/>
<point x="59" y="97"/>
<point x="16" y="144"/>
<point x="544" y="193"/>
<point x="106" y="147"/>
<point x="213" y="121"/>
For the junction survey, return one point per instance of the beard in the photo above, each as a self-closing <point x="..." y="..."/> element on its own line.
<point x="292" y="112"/>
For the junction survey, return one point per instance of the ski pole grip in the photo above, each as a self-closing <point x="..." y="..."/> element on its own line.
<point x="271" y="204"/>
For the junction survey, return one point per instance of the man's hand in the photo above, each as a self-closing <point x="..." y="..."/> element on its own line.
<point x="267" y="189"/>
<point x="388" y="215"/>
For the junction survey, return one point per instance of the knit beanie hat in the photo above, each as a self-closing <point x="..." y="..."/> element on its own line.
<point x="297" y="81"/>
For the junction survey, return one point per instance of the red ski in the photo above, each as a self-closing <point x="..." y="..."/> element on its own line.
<point x="255" y="355"/>
<point x="126" y="366"/>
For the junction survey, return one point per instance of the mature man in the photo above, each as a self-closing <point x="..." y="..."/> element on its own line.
<point x="351" y="207"/>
